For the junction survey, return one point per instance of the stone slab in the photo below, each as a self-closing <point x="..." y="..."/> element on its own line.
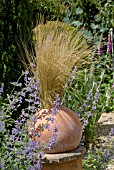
<point x="64" y="161"/>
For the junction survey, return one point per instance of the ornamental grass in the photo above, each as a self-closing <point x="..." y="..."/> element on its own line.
<point x="58" y="49"/>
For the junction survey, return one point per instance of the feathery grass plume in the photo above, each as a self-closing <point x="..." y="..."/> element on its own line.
<point x="59" y="47"/>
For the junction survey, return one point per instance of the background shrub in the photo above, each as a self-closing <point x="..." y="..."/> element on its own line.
<point x="18" y="18"/>
<point x="95" y="16"/>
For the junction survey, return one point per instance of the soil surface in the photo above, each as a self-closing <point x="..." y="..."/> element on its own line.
<point x="106" y="122"/>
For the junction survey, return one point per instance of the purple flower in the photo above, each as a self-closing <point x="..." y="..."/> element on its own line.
<point x="94" y="107"/>
<point x="29" y="100"/>
<point x="56" y="129"/>
<point x="53" y="138"/>
<point x="14" y="131"/>
<point x="12" y="138"/>
<point x="37" y="102"/>
<point x="9" y="144"/>
<point x="51" y="119"/>
<point x="54" y="111"/>
<point x="25" y="162"/>
<point x="57" y="102"/>
<point x="96" y="99"/>
<point x="32" y="65"/>
<point x="107" y="154"/>
<point x="38" y="165"/>
<point x="20" y="99"/>
<point x="85" y="121"/>
<point x="88" y="97"/>
<point x="47" y="126"/>
<point x="75" y="69"/>
<point x="78" y="113"/>
<point x="32" y="94"/>
<point x="23" y="94"/>
<point x="17" y="84"/>
<point x="26" y="72"/>
<point x="85" y="105"/>
<point x="23" y="120"/>
<point x="32" y="144"/>
<point x="112" y="131"/>
<point x="2" y="126"/>
<point x="34" y="119"/>
<point x="41" y="154"/>
<point x="4" y="117"/>
<point x="32" y="108"/>
<point x="90" y="114"/>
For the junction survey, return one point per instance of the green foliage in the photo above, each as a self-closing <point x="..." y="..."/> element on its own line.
<point x="16" y="24"/>
<point x="105" y="62"/>
<point x="93" y="161"/>
<point x="95" y="16"/>
<point x="105" y="16"/>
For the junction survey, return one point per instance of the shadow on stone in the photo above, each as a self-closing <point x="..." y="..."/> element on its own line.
<point x="104" y="130"/>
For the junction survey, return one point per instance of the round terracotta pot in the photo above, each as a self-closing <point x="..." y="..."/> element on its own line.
<point x="69" y="129"/>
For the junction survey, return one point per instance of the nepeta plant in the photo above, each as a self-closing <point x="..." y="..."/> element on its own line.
<point x="100" y="154"/>
<point x="83" y="96"/>
<point x="18" y="150"/>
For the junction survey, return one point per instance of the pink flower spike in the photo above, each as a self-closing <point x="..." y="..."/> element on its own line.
<point x="109" y="45"/>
